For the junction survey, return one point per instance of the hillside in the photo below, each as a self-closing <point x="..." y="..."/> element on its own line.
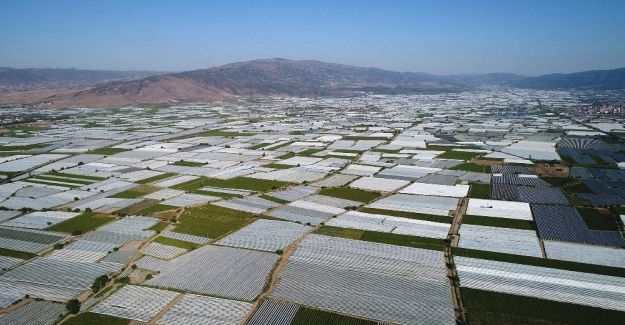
<point x="594" y="80"/>
<point x="272" y="77"/>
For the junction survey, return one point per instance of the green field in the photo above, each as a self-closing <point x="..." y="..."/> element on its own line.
<point x="498" y="222"/>
<point x="160" y="226"/>
<point x="22" y="148"/>
<point x="79" y="177"/>
<point x="242" y="183"/>
<point x="175" y="242"/>
<point x="77" y="181"/>
<point x="156" y="209"/>
<point x="188" y="163"/>
<point x="349" y="193"/>
<point x="16" y="254"/>
<point x="155" y="178"/>
<point x="136" y="192"/>
<point x="309" y="152"/>
<point x="95" y="319"/>
<point x="480" y="191"/>
<point x="274" y="199"/>
<point x="107" y="151"/>
<point x="278" y="166"/>
<point x="382" y="238"/>
<point x="471" y="167"/>
<point x="493" y="308"/>
<point x="537" y="261"/>
<point x="81" y="224"/>
<point x="410" y="215"/>
<point x="595" y="220"/>
<point x="308" y="316"/>
<point x="211" y="221"/>
<point x="460" y="155"/>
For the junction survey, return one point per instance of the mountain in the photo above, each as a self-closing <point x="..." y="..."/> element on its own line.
<point x="25" y="79"/>
<point x="262" y="78"/>
<point x="592" y="80"/>
<point x="487" y="79"/>
<point x="270" y="77"/>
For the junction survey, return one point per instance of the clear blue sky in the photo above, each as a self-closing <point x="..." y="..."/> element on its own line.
<point x="437" y="36"/>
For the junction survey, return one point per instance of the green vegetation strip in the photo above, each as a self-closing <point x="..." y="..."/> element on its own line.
<point x="278" y="166"/>
<point x="16" y="254"/>
<point x="82" y="223"/>
<point x="136" y="192"/>
<point x="349" y="193"/>
<point x="95" y="319"/>
<point x="175" y="242"/>
<point x="308" y="316"/>
<point x="160" y="226"/>
<point x="211" y="221"/>
<point x="493" y="308"/>
<point x="274" y="199"/>
<point x="107" y="151"/>
<point x="461" y="155"/>
<point x="65" y="179"/>
<point x="75" y="176"/>
<point x="498" y="222"/>
<point x="410" y="215"/>
<point x="537" y="261"/>
<point x="309" y="152"/>
<point x="382" y="237"/>
<point x="188" y="163"/>
<point x="471" y="167"/>
<point x="243" y="183"/>
<point x="156" y="209"/>
<point x="480" y="191"/>
<point x="155" y="178"/>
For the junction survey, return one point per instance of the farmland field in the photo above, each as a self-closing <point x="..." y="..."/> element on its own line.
<point x="382" y="238"/>
<point x="349" y="193"/>
<point x="211" y="221"/>
<point x="308" y="316"/>
<point x="95" y="319"/>
<point x="480" y="191"/>
<point x="492" y="308"/>
<point x="83" y="223"/>
<point x="243" y="183"/>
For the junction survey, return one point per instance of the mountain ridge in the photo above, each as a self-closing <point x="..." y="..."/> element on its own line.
<point x="304" y="78"/>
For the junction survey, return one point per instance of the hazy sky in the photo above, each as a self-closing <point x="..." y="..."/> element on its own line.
<point x="437" y="36"/>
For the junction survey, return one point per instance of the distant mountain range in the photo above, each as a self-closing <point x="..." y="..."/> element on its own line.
<point x="270" y="77"/>
<point x="39" y="78"/>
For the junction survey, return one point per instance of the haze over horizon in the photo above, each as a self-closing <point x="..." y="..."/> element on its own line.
<point x="438" y="37"/>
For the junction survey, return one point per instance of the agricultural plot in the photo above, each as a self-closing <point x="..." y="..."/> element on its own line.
<point x="52" y="279"/>
<point x="211" y="221"/>
<point x="250" y="204"/>
<point x="84" y="251"/>
<point x="305" y="212"/>
<point x="81" y="224"/>
<point x="434" y="205"/>
<point x="265" y="235"/>
<point x="185" y="237"/>
<point x="28" y="240"/>
<point x="194" y="309"/>
<point x="331" y="201"/>
<point x="457" y="191"/>
<point x="218" y="271"/>
<point x="376" y="184"/>
<point x="135" y="303"/>
<point x="589" y="254"/>
<point x="362" y="279"/>
<point x="35" y="312"/>
<point x="566" y="224"/>
<point x="40" y="220"/>
<point x="501" y="240"/>
<point x="294" y="193"/>
<point x="390" y="224"/>
<point x="273" y="312"/>
<point x="164" y="252"/>
<point x="352" y="194"/>
<point x="185" y="200"/>
<point x="540" y="195"/>
<point x="545" y="283"/>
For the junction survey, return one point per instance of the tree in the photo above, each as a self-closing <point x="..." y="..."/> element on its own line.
<point x="73" y="306"/>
